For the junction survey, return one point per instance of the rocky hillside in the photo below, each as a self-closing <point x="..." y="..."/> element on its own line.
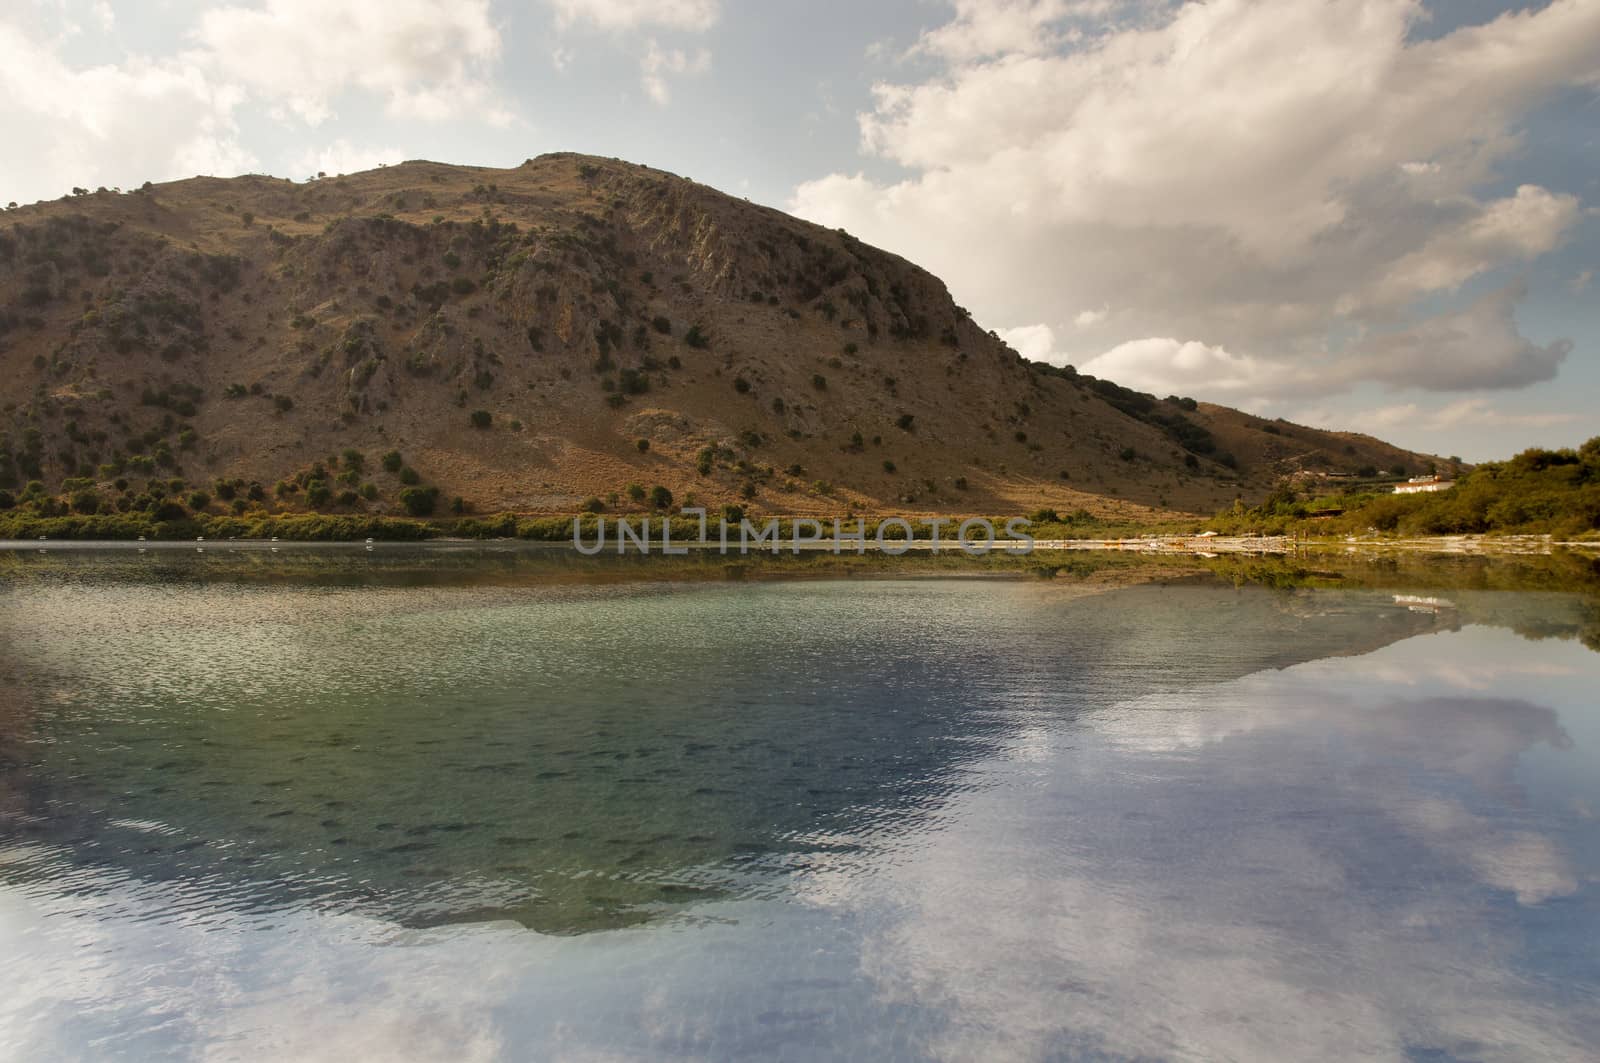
<point x="531" y="339"/>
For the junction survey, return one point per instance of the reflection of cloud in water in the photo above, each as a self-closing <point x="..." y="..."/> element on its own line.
<point x="1318" y="863"/>
<point x="1466" y="675"/>
<point x="319" y="987"/>
<point x="1274" y="873"/>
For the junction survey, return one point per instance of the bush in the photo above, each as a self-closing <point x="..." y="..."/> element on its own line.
<point x="888" y="466"/>
<point x="593" y="505"/>
<point x="643" y="445"/>
<point x="408" y="475"/>
<point x="819" y="382"/>
<point x="482" y="418"/>
<point x="696" y="338"/>
<point x="662" y="325"/>
<point x="660" y="497"/>
<point x="905" y="422"/>
<point x="419" y="501"/>
<point x="1127" y="453"/>
<point x="633" y="381"/>
<point x="636" y="492"/>
<point x="392" y="461"/>
<point x="317" y="493"/>
<point x="741" y="385"/>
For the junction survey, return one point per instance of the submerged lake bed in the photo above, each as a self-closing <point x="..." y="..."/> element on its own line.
<point x="430" y="804"/>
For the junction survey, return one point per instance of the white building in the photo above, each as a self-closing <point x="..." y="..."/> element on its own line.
<point x="1418" y="484"/>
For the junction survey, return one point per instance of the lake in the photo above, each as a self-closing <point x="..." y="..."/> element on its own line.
<point x="321" y="805"/>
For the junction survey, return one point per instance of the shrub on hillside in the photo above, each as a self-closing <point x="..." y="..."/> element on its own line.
<point x="419" y="501"/>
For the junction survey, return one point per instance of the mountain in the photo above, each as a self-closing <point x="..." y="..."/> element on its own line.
<point x="530" y="338"/>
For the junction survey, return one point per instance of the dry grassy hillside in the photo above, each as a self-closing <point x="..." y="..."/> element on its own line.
<point x="530" y="338"/>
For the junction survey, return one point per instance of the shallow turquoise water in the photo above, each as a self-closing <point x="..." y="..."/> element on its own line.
<point x="438" y="818"/>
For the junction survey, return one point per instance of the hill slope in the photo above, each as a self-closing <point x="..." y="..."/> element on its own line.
<point x="529" y="338"/>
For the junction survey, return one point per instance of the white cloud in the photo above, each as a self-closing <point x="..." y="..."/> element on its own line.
<point x="109" y="125"/>
<point x="1466" y="413"/>
<point x="985" y="28"/>
<point x="660" y="63"/>
<point x="622" y="15"/>
<point x="341" y="156"/>
<point x="428" y="58"/>
<point x="1037" y="343"/>
<point x="1478" y="347"/>
<point x="1163" y="365"/>
<point x="1090" y="318"/>
<point x="144" y="118"/>
<point x="1516" y="228"/>
<point x="107" y="18"/>
<point x="1267" y="178"/>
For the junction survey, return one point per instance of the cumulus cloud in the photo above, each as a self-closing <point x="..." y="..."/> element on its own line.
<point x="1265" y="179"/>
<point x="660" y="63"/>
<point x="164" y="117"/>
<point x="984" y="28"/>
<point x="1516" y="228"/>
<point x="1037" y="343"/>
<point x="1469" y="413"/>
<point x="1478" y="347"/>
<point x="1164" y="363"/>
<point x="112" y="124"/>
<point x="427" y="58"/>
<point x="621" y="15"/>
<point x="341" y="156"/>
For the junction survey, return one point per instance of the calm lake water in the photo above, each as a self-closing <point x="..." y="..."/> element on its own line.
<point x="350" y="810"/>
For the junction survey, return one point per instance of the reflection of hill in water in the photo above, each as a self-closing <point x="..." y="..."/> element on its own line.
<point x="571" y="758"/>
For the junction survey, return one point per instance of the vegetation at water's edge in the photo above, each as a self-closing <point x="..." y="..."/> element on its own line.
<point x="1538" y="492"/>
<point x="336" y="527"/>
<point x="1554" y="492"/>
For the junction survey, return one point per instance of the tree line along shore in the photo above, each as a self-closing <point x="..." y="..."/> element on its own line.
<point x="1546" y="492"/>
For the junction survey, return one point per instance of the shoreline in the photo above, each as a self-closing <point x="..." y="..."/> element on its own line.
<point x="1166" y="545"/>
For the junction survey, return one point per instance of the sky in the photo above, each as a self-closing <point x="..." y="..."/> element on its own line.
<point x="1381" y="215"/>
